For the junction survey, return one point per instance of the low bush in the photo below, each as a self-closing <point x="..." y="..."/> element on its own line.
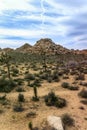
<point x="73" y="88"/>
<point x="67" y="120"/>
<point x="83" y="93"/>
<point x="80" y="77"/>
<point x="29" y="77"/>
<point x="52" y="100"/>
<point x="3" y="100"/>
<point x="84" y="102"/>
<point x="6" y="85"/>
<point x="20" y="89"/>
<point x="18" y="108"/>
<point x="65" y="85"/>
<point x="21" y="97"/>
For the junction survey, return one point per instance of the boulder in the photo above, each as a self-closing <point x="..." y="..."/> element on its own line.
<point x="55" y="122"/>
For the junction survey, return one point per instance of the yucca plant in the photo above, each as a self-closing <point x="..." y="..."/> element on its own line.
<point x="5" y="59"/>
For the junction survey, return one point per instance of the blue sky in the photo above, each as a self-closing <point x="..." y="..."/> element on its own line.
<point x="26" y="21"/>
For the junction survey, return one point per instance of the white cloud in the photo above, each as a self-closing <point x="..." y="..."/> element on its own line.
<point x="17" y="5"/>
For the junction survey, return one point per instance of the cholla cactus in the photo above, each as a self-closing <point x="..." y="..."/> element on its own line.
<point x="5" y="59"/>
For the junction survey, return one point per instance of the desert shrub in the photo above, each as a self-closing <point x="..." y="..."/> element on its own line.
<point x="3" y="97"/>
<point x="1" y="111"/>
<point x="84" y="102"/>
<point x="65" y="85"/>
<point x="37" y="83"/>
<point x="6" y="85"/>
<point x="83" y="83"/>
<point x="44" y="76"/>
<point x="80" y="77"/>
<point x="73" y="88"/>
<point x="26" y="72"/>
<point x="74" y="72"/>
<point x="60" y="73"/>
<point x="49" y="79"/>
<point x="15" y="71"/>
<point x="52" y="100"/>
<point x="19" y="81"/>
<point x="85" y="71"/>
<point x="31" y="114"/>
<point x="30" y="125"/>
<point x="65" y="77"/>
<point x="3" y="100"/>
<point x="20" y="89"/>
<point x="21" y="97"/>
<point x="29" y="77"/>
<point x="18" y="107"/>
<point x="55" y="76"/>
<point x="60" y="103"/>
<point x="83" y="93"/>
<point x="67" y="120"/>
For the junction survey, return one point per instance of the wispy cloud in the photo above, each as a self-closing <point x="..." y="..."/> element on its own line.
<point x="28" y="20"/>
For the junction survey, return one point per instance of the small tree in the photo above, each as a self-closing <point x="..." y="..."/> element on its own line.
<point x="5" y="59"/>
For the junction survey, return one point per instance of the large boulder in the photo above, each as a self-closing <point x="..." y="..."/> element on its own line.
<point x="55" y="122"/>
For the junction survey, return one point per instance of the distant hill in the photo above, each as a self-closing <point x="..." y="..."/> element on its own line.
<point x="46" y="45"/>
<point x="49" y="46"/>
<point x="7" y="50"/>
<point x="25" y="48"/>
<point x="84" y="51"/>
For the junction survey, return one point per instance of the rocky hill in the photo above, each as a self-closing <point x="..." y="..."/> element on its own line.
<point x="48" y="46"/>
<point x="25" y="48"/>
<point x="6" y="50"/>
<point x="80" y="51"/>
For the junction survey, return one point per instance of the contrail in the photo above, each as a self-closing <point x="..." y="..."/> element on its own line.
<point x="42" y="15"/>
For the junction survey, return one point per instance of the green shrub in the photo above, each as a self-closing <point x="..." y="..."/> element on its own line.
<point x="3" y="100"/>
<point x="67" y="120"/>
<point x="65" y="85"/>
<point x="73" y="88"/>
<point x="31" y="114"/>
<point x="52" y="100"/>
<point x="84" y="102"/>
<point x="15" y="71"/>
<point x="21" y="98"/>
<point x="83" y="93"/>
<point x="30" y="125"/>
<point x="18" y="108"/>
<point x="19" y="81"/>
<point x="29" y="77"/>
<point x="80" y="77"/>
<point x="6" y="85"/>
<point x="55" y="76"/>
<point x="20" y="89"/>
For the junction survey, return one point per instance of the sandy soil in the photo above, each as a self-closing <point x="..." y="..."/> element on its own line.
<point x="10" y="120"/>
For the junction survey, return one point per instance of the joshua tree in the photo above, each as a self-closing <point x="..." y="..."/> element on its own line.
<point x="35" y="97"/>
<point x="5" y="59"/>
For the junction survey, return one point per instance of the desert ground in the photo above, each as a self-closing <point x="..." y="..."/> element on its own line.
<point x="37" y="111"/>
